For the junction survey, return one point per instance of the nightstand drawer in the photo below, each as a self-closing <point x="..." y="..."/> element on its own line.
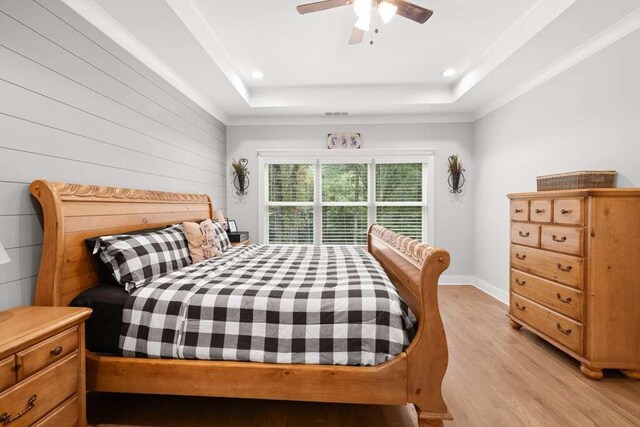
<point x="45" y="353"/>
<point x="66" y="415"/>
<point x="41" y="393"/>
<point x="564" y="300"/>
<point x="7" y="372"/>
<point x="561" y="329"/>
<point x="525" y="234"/>
<point x="565" y="269"/>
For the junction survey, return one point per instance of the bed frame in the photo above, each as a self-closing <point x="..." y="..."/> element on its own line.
<point x="74" y="212"/>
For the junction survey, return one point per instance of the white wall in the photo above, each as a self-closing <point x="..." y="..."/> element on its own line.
<point x="75" y="107"/>
<point x="585" y="118"/>
<point x="453" y="220"/>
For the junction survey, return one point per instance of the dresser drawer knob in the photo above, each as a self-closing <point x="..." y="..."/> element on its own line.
<point x="523" y="234"/>
<point x="519" y="210"/>
<point x="56" y="351"/>
<point x="6" y="418"/>
<point x="521" y="282"/>
<point x="565" y="211"/>
<point x="559" y="239"/>
<point x="521" y="307"/>
<point x="566" y="300"/>
<point x="564" y="331"/>
<point x="521" y="257"/>
<point x="539" y="211"/>
<point x="566" y="269"/>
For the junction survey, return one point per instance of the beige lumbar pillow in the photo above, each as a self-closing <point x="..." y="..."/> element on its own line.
<point x="202" y="240"/>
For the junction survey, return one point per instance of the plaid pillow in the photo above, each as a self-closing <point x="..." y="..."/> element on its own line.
<point x="135" y="260"/>
<point x="221" y="236"/>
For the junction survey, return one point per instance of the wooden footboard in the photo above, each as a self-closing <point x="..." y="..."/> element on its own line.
<point x="415" y="269"/>
<point x="74" y="212"/>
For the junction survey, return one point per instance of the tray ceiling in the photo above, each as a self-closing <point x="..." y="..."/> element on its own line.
<point x="498" y="49"/>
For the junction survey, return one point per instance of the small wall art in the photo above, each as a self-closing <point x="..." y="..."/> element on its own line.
<point x="344" y="141"/>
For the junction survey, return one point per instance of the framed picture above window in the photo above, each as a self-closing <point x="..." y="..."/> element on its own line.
<point x="344" y="141"/>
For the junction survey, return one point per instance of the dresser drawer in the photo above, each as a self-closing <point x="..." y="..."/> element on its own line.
<point x="7" y="372"/>
<point x="560" y="328"/>
<point x="46" y="352"/>
<point x="568" y="211"/>
<point x="540" y="210"/>
<point x="66" y="415"/>
<point x="45" y="390"/>
<point x="561" y="268"/>
<point x="525" y="234"/>
<point x="563" y="239"/>
<point x="520" y="210"/>
<point x="564" y="300"/>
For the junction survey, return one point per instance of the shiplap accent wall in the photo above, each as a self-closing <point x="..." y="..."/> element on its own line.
<point x="75" y="107"/>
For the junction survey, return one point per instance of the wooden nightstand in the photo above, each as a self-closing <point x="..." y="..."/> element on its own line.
<point x="42" y="366"/>
<point x="243" y="243"/>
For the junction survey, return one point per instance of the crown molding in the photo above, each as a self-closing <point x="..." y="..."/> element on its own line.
<point x="350" y="120"/>
<point x="198" y="26"/>
<point x="520" y="33"/>
<point x="99" y="18"/>
<point x="602" y="40"/>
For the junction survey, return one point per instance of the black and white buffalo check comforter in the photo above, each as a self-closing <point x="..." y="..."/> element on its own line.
<point x="329" y="305"/>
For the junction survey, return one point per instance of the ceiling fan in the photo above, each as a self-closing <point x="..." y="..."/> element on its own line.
<point x="387" y="9"/>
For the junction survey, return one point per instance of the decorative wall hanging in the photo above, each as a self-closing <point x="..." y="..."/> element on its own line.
<point x="241" y="176"/>
<point x="343" y="141"/>
<point x="456" y="174"/>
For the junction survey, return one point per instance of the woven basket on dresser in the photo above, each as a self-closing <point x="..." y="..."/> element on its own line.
<point x="581" y="179"/>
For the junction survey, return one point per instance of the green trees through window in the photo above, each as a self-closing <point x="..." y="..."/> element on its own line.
<point x="334" y="204"/>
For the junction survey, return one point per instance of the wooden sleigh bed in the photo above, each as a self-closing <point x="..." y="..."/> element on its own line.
<point x="74" y="212"/>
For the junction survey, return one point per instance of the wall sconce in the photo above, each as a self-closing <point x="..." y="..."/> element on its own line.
<point x="456" y="174"/>
<point x="241" y="176"/>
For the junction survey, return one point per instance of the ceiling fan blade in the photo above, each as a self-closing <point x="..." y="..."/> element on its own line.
<point x="321" y="5"/>
<point x="356" y="36"/>
<point x="413" y="12"/>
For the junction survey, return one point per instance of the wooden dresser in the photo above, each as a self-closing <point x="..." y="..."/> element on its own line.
<point x="575" y="274"/>
<point x="42" y="368"/>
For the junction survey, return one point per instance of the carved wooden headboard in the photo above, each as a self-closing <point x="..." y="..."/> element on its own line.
<point x="75" y="212"/>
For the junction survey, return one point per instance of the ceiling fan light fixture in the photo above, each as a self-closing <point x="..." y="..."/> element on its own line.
<point x="364" y="23"/>
<point x="387" y="11"/>
<point x="362" y="8"/>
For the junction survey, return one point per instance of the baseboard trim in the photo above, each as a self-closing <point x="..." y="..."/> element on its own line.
<point x="486" y="287"/>
<point x="492" y="290"/>
<point x="455" y="280"/>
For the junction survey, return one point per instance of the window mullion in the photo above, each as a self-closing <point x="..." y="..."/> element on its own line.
<point x="425" y="182"/>
<point x="317" y="210"/>
<point x="371" y="179"/>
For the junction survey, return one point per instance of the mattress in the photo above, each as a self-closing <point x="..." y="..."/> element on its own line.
<point x="325" y="305"/>
<point x="103" y="328"/>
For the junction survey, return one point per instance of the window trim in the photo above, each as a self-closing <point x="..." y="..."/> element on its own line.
<point x="370" y="156"/>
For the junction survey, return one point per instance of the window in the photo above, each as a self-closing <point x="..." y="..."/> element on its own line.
<point x="333" y="201"/>
<point x="399" y="198"/>
<point x="344" y="204"/>
<point x="291" y="203"/>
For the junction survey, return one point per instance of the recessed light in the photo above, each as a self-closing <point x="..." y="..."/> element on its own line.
<point x="257" y="74"/>
<point x="448" y="72"/>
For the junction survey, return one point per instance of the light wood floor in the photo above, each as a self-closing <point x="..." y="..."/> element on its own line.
<point x="496" y="377"/>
